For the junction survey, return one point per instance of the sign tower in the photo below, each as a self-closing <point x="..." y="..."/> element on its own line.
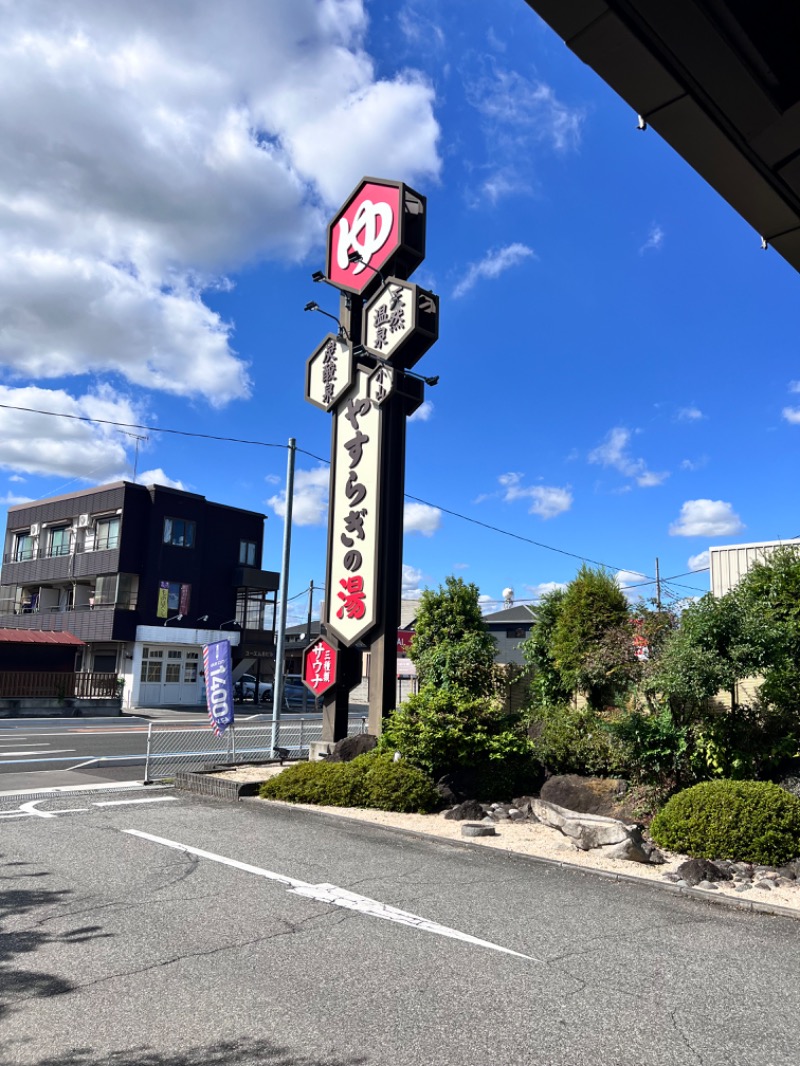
<point x="363" y="376"/>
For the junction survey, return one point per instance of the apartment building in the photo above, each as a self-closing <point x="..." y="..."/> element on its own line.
<point x="145" y="575"/>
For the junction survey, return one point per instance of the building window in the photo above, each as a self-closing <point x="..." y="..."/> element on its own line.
<point x="173" y="673"/>
<point x="24" y="548"/>
<point x="174" y="598"/>
<point x="247" y="553"/>
<point x="190" y="667"/>
<point x="105" y="662"/>
<point x="60" y="541"/>
<point x="251" y="609"/>
<point x="117" y="590"/>
<point x="179" y="532"/>
<point x="107" y="533"/>
<point x="151" y="670"/>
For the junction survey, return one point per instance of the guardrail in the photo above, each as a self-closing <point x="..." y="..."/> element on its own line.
<point x="195" y="747"/>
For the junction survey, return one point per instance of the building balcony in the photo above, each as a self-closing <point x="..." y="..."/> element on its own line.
<point x="87" y="623"/>
<point x="18" y="569"/>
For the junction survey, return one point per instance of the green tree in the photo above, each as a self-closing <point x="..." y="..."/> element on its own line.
<point x="711" y="650"/>
<point x="593" y="606"/>
<point x="452" y="647"/>
<point x="547" y="686"/>
<point x="768" y="600"/>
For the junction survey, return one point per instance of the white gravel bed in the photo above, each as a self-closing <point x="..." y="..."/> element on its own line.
<point x="532" y="838"/>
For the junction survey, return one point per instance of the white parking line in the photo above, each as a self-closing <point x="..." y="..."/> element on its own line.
<point x="41" y="751"/>
<point x="123" y="803"/>
<point x="338" y="897"/>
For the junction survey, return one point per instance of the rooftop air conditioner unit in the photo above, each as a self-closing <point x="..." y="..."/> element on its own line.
<point x="35" y="529"/>
<point x="83" y="521"/>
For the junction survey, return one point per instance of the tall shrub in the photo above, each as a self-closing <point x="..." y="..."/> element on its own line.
<point x="452" y="647"/>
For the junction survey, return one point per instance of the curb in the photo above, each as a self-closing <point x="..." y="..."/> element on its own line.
<point x="746" y="905"/>
<point x="205" y="783"/>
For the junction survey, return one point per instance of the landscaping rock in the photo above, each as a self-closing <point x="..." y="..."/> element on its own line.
<point x="588" y="831"/>
<point x="587" y="795"/>
<point x="693" y="871"/>
<point x="523" y="804"/>
<point x="636" y="849"/>
<point x="349" y="748"/>
<point x="469" y="809"/>
<point x="791" y="784"/>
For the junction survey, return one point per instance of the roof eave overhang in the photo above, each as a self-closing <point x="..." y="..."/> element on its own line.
<point x="691" y="89"/>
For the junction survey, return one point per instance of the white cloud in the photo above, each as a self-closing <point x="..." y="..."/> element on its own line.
<point x="794" y="386"/>
<point x="309" y="499"/>
<point x="143" y="153"/>
<point x="505" y="182"/>
<point x="423" y="413"/>
<point x="655" y="239"/>
<point x="547" y="501"/>
<point x="41" y="444"/>
<point x="507" y="99"/>
<point x="16" y="477"/>
<point x="542" y="589"/>
<point x="700" y="561"/>
<point x="411" y="583"/>
<point x="632" y="583"/>
<point x="9" y="500"/>
<point x="792" y="415"/>
<point x="690" y="414"/>
<point x="706" y="518"/>
<point x="158" y="477"/>
<point x="694" y="464"/>
<point x="419" y="30"/>
<point x="614" y="453"/>
<point x="492" y="265"/>
<point x="421" y="518"/>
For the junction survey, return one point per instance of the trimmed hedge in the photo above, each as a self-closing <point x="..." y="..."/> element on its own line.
<point x="747" y="821"/>
<point x="371" y="780"/>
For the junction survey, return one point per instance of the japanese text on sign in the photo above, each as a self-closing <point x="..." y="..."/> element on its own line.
<point x="352" y="604"/>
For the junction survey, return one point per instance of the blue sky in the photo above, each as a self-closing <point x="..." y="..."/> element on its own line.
<point x="618" y="358"/>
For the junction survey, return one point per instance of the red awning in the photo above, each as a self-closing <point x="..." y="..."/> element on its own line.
<point x="35" y="636"/>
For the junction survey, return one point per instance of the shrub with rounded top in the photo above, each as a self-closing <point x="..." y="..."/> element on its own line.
<point x="747" y="821"/>
<point x="370" y="780"/>
<point x="333" y="784"/>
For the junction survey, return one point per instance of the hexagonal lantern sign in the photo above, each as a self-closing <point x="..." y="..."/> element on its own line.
<point x="401" y="322"/>
<point x="329" y="372"/>
<point x="380" y="227"/>
<point x="380" y="384"/>
<point x="319" y="666"/>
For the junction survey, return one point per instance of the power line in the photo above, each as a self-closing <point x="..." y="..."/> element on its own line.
<point x="326" y="462"/>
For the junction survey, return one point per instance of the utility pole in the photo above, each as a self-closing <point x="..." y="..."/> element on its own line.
<point x="277" y="688"/>
<point x="658" y="587"/>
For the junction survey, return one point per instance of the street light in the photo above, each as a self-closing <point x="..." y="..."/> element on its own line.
<point x="231" y="621"/>
<point x="361" y="352"/>
<point x="173" y="618"/>
<point x="356" y="257"/>
<point x="313" y="306"/>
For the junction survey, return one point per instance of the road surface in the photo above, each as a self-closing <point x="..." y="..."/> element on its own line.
<point x="181" y="932"/>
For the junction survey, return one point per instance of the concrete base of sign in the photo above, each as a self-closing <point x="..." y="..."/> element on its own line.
<point x="319" y="748"/>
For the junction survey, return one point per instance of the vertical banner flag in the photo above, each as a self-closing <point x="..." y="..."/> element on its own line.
<point x="219" y="684"/>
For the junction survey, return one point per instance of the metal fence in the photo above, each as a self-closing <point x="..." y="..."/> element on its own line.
<point x="57" y="684"/>
<point x="196" y="747"/>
